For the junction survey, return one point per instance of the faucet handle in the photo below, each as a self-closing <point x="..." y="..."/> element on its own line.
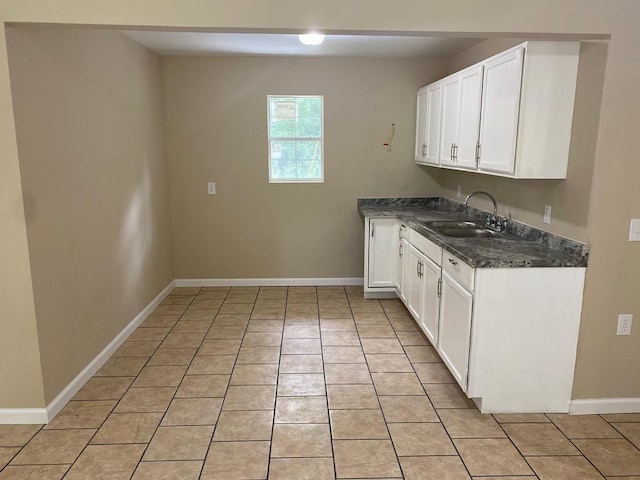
<point x="497" y="223"/>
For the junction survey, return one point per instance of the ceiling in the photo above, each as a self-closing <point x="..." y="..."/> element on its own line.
<point x="192" y="43"/>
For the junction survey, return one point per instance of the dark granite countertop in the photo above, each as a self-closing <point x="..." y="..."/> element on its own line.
<point x="520" y="246"/>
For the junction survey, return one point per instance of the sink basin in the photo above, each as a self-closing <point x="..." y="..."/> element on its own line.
<point x="469" y="232"/>
<point x="452" y="224"/>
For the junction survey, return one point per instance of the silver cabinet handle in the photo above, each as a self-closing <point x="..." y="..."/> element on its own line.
<point x="400" y="250"/>
<point x="451" y="153"/>
<point x="477" y="154"/>
<point x="373" y="229"/>
<point x="424" y="149"/>
<point x="418" y="269"/>
<point x="452" y="261"/>
<point x="455" y="152"/>
<point x="439" y="287"/>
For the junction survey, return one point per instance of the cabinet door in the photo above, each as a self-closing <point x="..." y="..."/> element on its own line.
<point x="383" y="248"/>
<point x="430" y="310"/>
<point x="434" y="112"/>
<point x="421" y="126"/>
<point x="469" y="117"/>
<point x="450" y="107"/>
<point x="500" y="110"/>
<point x="399" y="283"/>
<point x="413" y="282"/>
<point x="456" y="304"/>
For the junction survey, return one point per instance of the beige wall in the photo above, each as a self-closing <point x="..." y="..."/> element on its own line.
<point x="525" y="199"/>
<point x="89" y="119"/>
<point x="608" y="366"/>
<point x="20" y="372"/>
<point x="216" y="131"/>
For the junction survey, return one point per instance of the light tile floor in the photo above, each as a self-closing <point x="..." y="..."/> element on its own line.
<point x="298" y="383"/>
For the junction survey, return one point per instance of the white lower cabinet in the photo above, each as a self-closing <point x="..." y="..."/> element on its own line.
<point x="456" y="306"/>
<point x="414" y="282"/>
<point x="403" y="258"/>
<point x="508" y="335"/>
<point x="430" y="310"/>
<point x="381" y="247"/>
<point x="422" y="283"/>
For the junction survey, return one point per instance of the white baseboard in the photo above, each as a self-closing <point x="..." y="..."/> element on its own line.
<point x="267" y="282"/>
<point x="94" y="365"/>
<point x="604" y="405"/>
<point x="11" y="416"/>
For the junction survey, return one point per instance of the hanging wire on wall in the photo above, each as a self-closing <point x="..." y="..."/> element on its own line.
<point x="390" y="137"/>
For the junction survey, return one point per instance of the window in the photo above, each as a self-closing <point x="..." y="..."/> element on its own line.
<point x="295" y="138"/>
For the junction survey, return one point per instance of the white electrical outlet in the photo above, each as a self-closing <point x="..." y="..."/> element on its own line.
<point x="211" y="188"/>
<point x="547" y="214"/>
<point x="634" y="230"/>
<point x="459" y="191"/>
<point x="624" y="324"/>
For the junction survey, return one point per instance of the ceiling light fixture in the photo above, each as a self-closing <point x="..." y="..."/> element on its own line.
<point x="311" y="38"/>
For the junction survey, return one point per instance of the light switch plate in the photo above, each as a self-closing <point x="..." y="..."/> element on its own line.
<point x="211" y="188"/>
<point x="547" y="214"/>
<point x="634" y="230"/>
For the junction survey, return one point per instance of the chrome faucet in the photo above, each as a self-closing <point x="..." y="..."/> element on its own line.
<point x="493" y="221"/>
<point x="480" y="192"/>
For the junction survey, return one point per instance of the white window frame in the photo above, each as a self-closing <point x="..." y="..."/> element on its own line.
<point x="321" y="138"/>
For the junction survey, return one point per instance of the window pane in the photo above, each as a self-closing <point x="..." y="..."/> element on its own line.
<point x="283" y="128"/>
<point x="308" y="150"/>
<point x="309" y="169"/>
<point x="283" y="150"/>
<point x="283" y="169"/>
<point x="309" y="127"/>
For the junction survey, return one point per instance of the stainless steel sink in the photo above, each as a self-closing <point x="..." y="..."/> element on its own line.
<point x="452" y="224"/>
<point x="469" y="232"/>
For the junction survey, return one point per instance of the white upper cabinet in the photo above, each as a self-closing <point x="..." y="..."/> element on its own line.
<point x="469" y="117"/>
<point x="461" y="97"/>
<point x="500" y="107"/>
<point x="449" y="124"/>
<point x="428" y="124"/>
<point x="510" y="115"/>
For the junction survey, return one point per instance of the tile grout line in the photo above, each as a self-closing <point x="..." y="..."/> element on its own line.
<point x="326" y="391"/>
<point x="275" y="399"/>
<point x="163" y="414"/>
<point x="224" y="397"/>
<point x="386" y="425"/>
<point x="204" y="460"/>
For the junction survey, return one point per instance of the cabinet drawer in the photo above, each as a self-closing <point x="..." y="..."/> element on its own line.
<point x="430" y="249"/>
<point x="458" y="269"/>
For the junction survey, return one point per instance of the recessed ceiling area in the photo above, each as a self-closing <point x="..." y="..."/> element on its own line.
<point x="197" y="43"/>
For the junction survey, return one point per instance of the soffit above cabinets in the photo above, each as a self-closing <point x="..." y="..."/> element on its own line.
<point x="198" y="43"/>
